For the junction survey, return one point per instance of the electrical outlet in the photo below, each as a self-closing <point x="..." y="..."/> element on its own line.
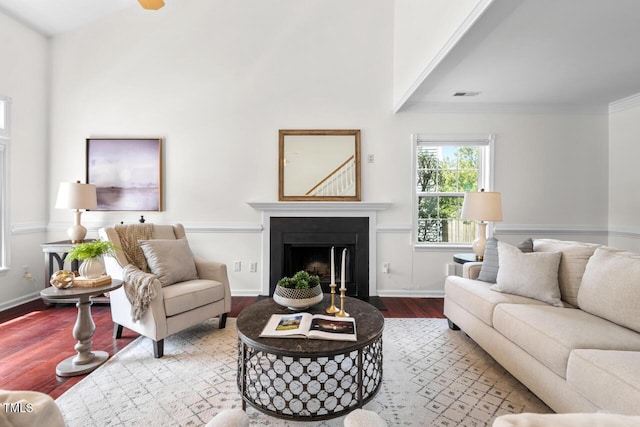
<point x="27" y="274"/>
<point x="385" y="267"/>
<point x="371" y="158"/>
<point x="253" y="267"/>
<point x="237" y="266"/>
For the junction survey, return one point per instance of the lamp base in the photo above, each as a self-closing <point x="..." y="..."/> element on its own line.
<point x="478" y="246"/>
<point x="77" y="231"/>
<point x="480" y="243"/>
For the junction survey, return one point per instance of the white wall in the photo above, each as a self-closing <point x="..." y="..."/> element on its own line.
<point x="550" y="169"/>
<point x="24" y="65"/>
<point x="624" y="196"/>
<point x="217" y="80"/>
<point x="422" y="31"/>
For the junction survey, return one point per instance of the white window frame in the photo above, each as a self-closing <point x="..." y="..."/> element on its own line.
<point x="5" y="221"/>
<point x="485" y="143"/>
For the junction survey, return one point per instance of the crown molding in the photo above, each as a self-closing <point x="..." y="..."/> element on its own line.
<point x="624" y="104"/>
<point x="498" y="108"/>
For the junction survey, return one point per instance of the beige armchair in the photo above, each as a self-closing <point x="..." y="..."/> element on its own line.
<point x="173" y="306"/>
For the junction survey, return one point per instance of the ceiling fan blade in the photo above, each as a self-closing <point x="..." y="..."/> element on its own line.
<point x="151" y="4"/>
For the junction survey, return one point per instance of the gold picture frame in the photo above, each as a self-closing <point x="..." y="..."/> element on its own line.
<point x="319" y="165"/>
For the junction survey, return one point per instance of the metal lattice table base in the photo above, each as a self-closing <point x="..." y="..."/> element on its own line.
<point x="309" y="388"/>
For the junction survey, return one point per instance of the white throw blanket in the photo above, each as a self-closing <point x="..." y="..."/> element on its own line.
<point x="139" y="288"/>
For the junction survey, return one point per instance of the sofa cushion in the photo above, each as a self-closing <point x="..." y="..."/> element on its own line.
<point x="611" y="287"/>
<point x="490" y="261"/>
<point x="191" y="294"/>
<point x="169" y="259"/>
<point x="572" y="264"/>
<point x="477" y="297"/>
<point x="608" y="378"/>
<point x="533" y="275"/>
<point x="549" y="334"/>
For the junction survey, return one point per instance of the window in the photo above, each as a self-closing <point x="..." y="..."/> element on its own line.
<point x="5" y="104"/>
<point x="447" y="166"/>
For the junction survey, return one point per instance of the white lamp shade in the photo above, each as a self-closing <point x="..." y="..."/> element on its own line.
<point x="482" y="206"/>
<point x="74" y="195"/>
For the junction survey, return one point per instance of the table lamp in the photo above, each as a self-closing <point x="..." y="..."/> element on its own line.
<point x="74" y="195"/>
<point x="481" y="206"/>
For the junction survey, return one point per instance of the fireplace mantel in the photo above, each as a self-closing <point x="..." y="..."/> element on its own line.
<point x="283" y="209"/>
<point x="319" y="206"/>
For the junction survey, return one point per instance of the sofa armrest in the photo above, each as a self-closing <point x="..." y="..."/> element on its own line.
<point x="211" y="270"/>
<point x="471" y="270"/>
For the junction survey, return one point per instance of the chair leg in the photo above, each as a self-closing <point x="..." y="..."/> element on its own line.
<point x="158" y="349"/>
<point x="453" y="326"/>
<point x="117" y="331"/>
<point x="222" y="322"/>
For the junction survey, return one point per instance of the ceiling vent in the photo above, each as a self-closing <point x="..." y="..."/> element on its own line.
<point x="466" y="94"/>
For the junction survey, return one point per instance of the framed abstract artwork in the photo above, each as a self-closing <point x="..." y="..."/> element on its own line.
<point x="127" y="173"/>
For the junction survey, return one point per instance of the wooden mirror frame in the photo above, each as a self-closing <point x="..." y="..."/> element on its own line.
<point x="309" y="161"/>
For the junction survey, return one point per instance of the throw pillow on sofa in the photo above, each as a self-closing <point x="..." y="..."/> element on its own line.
<point x="533" y="275"/>
<point x="489" y="268"/>
<point x="610" y="288"/>
<point x="575" y="256"/>
<point x="171" y="260"/>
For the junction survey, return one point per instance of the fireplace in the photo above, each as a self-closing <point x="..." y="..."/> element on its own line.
<point x="304" y="243"/>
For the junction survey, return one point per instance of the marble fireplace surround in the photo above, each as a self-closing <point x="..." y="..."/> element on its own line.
<point x="318" y="209"/>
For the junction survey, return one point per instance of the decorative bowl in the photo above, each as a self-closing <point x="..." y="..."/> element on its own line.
<point x="297" y="299"/>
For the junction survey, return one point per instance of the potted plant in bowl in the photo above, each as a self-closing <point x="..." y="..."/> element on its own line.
<point x="91" y="253"/>
<point x="298" y="292"/>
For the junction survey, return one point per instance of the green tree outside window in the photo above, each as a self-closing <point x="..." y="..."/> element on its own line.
<point x="444" y="174"/>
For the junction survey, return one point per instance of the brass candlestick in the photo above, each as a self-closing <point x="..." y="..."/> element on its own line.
<point x="332" y="308"/>
<point x="342" y="313"/>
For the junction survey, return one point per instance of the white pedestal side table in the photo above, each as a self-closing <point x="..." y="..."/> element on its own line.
<point x="86" y="360"/>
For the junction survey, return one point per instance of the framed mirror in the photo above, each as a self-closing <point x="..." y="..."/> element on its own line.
<point x="319" y="165"/>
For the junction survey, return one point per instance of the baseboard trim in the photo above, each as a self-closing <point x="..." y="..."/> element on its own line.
<point x="411" y="293"/>
<point x="19" y="301"/>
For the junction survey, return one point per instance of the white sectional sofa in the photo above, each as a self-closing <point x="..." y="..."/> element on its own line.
<point x="579" y="352"/>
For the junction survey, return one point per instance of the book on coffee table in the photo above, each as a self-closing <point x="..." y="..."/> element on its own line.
<point x="312" y="326"/>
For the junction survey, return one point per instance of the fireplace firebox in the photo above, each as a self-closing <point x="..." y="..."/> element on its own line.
<point x="304" y="243"/>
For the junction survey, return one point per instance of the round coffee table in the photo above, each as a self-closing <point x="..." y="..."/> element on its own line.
<point x="307" y="379"/>
<point x="85" y="360"/>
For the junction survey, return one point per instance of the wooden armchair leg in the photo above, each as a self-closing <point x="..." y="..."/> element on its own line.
<point x="158" y="349"/>
<point x="117" y="331"/>
<point x="222" y="322"/>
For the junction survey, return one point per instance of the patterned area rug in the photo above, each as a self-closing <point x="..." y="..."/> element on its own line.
<point x="432" y="377"/>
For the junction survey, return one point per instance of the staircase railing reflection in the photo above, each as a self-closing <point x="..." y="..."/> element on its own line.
<point x="339" y="181"/>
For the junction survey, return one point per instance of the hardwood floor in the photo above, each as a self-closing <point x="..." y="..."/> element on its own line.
<point x="35" y="337"/>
